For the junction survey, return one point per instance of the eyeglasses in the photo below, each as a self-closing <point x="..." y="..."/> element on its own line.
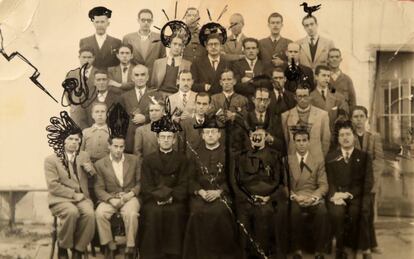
<point x="146" y="20"/>
<point x="214" y="44"/>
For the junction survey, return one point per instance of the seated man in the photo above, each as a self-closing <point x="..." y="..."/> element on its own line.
<point x="184" y="99"/>
<point x="164" y="193"/>
<point x="308" y="186"/>
<point x="211" y="230"/>
<point x="67" y="174"/>
<point x="120" y="77"/>
<point x="117" y="188"/>
<point x="350" y="179"/>
<point x="256" y="177"/>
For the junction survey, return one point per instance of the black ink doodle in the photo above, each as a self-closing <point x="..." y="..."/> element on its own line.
<point x="310" y="9"/>
<point x="117" y="120"/>
<point x="36" y="72"/>
<point x="166" y="123"/>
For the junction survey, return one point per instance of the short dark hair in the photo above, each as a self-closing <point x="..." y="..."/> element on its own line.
<point x="309" y="17"/>
<point x="300" y="133"/>
<point x="343" y="124"/>
<point x="101" y="71"/>
<point x="184" y="71"/>
<point x="125" y="45"/>
<point x="301" y="86"/>
<point x="203" y="94"/>
<point x="278" y="69"/>
<point x="321" y="67"/>
<point x="334" y="49"/>
<point x="87" y="49"/>
<point x="145" y="11"/>
<point x="115" y="137"/>
<point x="275" y="15"/>
<point x="359" y="108"/>
<point x="227" y="70"/>
<point x="214" y="36"/>
<point x="250" y="40"/>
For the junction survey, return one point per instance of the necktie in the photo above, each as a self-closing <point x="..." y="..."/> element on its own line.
<point x="302" y="164"/>
<point x="346" y="158"/>
<point x="214" y="64"/>
<point x="124" y="69"/>
<point x="312" y="41"/>
<point x="235" y="41"/>
<point x="184" y="99"/>
<point x="323" y="95"/>
<point x="139" y="94"/>
<point x="251" y="64"/>
<point x="261" y="118"/>
<point x="173" y="62"/>
<point x="274" y="43"/>
<point x="101" y="97"/>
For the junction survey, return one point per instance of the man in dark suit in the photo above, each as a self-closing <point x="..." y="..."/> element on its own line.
<point x="117" y="188"/>
<point x="350" y="180"/>
<point x="105" y="46"/>
<point x="308" y="186"/>
<point x="146" y="51"/>
<point x="206" y="70"/>
<point x="194" y="49"/>
<point x="77" y="112"/>
<point x="120" y="77"/>
<point x="305" y="73"/>
<point x="233" y="48"/>
<point x="273" y="48"/>
<point x="340" y="81"/>
<point x="280" y="100"/>
<point x="164" y="194"/>
<point x="136" y="103"/>
<point x="67" y="182"/>
<point x="248" y="67"/>
<point x="324" y="98"/>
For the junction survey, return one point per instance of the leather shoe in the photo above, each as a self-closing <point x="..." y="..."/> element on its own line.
<point x="297" y="256"/>
<point x="367" y="256"/>
<point x="109" y="253"/>
<point x="341" y="255"/>
<point x="62" y="253"/>
<point x="76" y="254"/>
<point x="129" y="252"/>
<point x="319" y="257"/>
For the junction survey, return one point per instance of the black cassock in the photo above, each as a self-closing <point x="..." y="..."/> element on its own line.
<point x="164" y="175"/>
<point x="211" y="229"/>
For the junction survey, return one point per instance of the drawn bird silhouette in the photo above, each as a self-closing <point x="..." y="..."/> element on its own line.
<point x="310" y="9"/>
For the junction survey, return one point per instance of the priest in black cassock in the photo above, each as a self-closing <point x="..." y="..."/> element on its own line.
<point x="256" y="178"/>
<point x="211" y="228"/>
<point x="164" y="194"/>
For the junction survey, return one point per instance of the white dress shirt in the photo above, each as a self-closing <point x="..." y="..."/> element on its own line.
<point x="347" y="152"/>
<point x="211" y="62"/>
<point x="124" y="74"/>
<point x="299" y="156"/>
<point x="102" y="96"/>
<point x="137" y="92"/>
<point x="100" y="39"/>
<point x="118" y="168"/>
<point x="249" y="61"/>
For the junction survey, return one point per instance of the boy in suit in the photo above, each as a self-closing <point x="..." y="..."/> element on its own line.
<point x="120" y="77"/>
<point x="105" y="46"/>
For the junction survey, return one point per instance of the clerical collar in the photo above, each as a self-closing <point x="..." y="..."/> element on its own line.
<point x="166" y="151"/>
<point x="214" y="147"/>
<point x="303" y="110"/>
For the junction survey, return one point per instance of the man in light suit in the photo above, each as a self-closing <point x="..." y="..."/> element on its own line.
<point x="320" y="135"/>
<point x="273" y="48"/>
<point x="165" y="72"/>
<point x="350" y="179"/>
<point x="206" y="70"/>
<point x="340" y="81"/>
<point x="184" y="99"/>
<point x="248" y="67"/>
<point x="86" y="56"/>
<point x="117" y="188"/>
<point x="323" y="98"/>
<point x="280" y="99"/>
<point x="68" y="194"/>
<point x="370" y="142"/>
<point x="233" y="48"/>
<point x="314" y="48"/>
<point x="120" y="77"/>
<point x="104" y="46"/>
<point x="146" y="51"/>
<point x="136" y="103"/>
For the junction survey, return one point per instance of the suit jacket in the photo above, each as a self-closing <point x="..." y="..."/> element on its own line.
<point x="106" y="55"/>
<point x="62" y="188"/>
<point x="233" y="48"/>
<point x="372" y="144"/>
<point x="176" y="102"/>
<point x="77" y="112"/>
<point x="163" y="179"/>
<point x="306" y="77"/>
<point x="343" y="85"/>
<point x="107" y="184"/>
<point x="312" y="180"/>
<point x="333" y="103"/>
<point x="145" y="141"/>
<point x="355" y="178"/>
<point x="287" y="102"/>
<point x="238" y="103"/>
<point x="204" y="73"/>
<point x="155" y="51"/>
<point x="320" y="135"/>
<point x="115" y="74"/>
<point x="267" y="49"/>
<point x="160" y="68"/>
<point x="321" y="55"/>
<point x="130" y="102"/>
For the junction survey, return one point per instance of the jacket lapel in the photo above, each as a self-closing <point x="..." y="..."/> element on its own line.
<point x="306" y="49"/>
<point x="111" y="170"/>
<point x="294" y="169"/>
<point x="321" y="45"/>
<point x="125" y="169"/>
<point x="162" y="70"/>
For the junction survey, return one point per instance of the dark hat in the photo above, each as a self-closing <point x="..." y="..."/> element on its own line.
<point x="99" y="11"/>
<point x="117" y="120"/>
<point x="261" y="81"/>
<point x="210" y="30"/>
<point x="174" y="29"/>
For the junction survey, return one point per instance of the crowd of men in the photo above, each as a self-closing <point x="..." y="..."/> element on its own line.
<point x="262" y="166"/>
